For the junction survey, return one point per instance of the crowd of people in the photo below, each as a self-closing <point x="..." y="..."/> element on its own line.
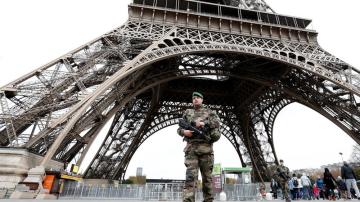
<point x="302" y="187"/>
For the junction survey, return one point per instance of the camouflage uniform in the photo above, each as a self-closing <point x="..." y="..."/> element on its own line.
<point x="199" y="153"/>
<point x="282" y="171"/>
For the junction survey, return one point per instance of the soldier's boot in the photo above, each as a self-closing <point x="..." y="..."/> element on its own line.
<point x="287" y="200"/>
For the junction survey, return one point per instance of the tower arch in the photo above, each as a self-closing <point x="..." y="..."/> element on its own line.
<point x="130" y="71"/>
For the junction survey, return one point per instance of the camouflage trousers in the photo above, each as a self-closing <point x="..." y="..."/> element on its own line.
<point x="198" y="156"/>
<point x="284" y="188"/>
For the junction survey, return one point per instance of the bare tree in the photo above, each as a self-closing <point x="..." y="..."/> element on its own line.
<point x="355" y="156"/>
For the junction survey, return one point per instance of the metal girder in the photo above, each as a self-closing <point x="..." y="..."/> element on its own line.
<point x="7" y="120"/>
<point x="123" y="135"/>
<point x="268" y="114"/>
<point x="144" y="71"/>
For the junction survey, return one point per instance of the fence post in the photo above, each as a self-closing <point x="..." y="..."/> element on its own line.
<point x="82" y="188"/>
<point x="145" y="192"/>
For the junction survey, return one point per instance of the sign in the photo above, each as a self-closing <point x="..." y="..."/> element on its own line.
<point x="237" y="169"/>
<point x="217" y="169"/>
<point x="48" y="182"/>
<point x="216" y="183"/>
<point x="74" y="168"/>
<point x="68" y="177"/>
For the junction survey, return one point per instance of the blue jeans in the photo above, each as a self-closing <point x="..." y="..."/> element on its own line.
<point x="306" y="192"/>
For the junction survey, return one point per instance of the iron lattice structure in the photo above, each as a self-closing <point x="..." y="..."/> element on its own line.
<point x="249" y="61"/>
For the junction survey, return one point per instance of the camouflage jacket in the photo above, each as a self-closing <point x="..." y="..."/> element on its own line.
<point x="209" y="117"/>
<point x="282" y="172"/>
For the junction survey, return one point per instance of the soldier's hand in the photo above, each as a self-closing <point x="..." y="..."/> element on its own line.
<point x="188" y="133"/>
<point x="199" y="124"/>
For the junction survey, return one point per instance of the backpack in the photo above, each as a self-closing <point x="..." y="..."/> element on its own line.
<point x="295" y="183"/>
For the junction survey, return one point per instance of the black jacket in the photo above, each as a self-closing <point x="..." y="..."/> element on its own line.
<point x="347" y="172"/>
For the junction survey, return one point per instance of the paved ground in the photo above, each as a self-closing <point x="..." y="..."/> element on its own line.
<point x="62" y="200"/>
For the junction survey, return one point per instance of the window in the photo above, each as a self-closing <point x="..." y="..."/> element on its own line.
<point x="149" y="2"/>
<point x="138" y="2"/>
<point x="272" y="19"/>
<point x="231" y="12"/>
<point x="300" y="23"/>
<point x="161" y="3"/>
<point x="264" y="17"/>
<point x="193" y="6"/>
<point x="171" y="4"/>
<point x="282" y="20"/>
<point x="249" y="15"/>
<point x="290" y="21"/>
<point x="183" y="5"/>
<point x="211" y="9"/>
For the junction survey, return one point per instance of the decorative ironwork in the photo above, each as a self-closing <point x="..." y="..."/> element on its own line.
<point x="143" y="73"/>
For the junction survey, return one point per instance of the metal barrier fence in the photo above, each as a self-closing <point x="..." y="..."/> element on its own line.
<point x="241" y="192"/>
<point x="6" y="192"/>
<point x="152" y="191"/>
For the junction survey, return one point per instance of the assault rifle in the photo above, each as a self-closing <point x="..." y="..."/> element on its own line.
<point x="197" y="132"/>
<point x="282" y="174"/>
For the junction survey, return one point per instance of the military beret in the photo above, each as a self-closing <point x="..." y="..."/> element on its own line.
<point x="197" y="94"/>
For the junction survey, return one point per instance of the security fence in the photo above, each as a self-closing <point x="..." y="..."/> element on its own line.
<point x="152" y="191"/>
<point x="242" y="192"/>
<point x="6" y="192"/>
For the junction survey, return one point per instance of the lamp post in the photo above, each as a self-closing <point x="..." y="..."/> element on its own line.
<point x="341" y="154"/>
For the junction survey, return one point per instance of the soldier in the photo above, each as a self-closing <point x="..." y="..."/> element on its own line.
<point x="281" y="175"/>
<point x="199" y="151"/>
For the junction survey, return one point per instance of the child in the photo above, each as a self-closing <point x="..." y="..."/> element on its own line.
<point x="342" y="187"/>
<point x="316" y="192"/>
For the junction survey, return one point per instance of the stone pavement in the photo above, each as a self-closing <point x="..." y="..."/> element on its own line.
<point x="110" y="200"/>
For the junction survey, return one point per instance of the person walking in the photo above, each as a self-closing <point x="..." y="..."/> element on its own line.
<point x="342" y="187"/>
<point x="330" y="185"/>
<point x="295" y="182"/>
<point x="320" y="185"/>
<point x="281" y="176"/>
<point x="306" y="187"/>
<point x="291" y="189"/>
<point x="347" y="173"/>
<point x="274" y="187"/>
<point x="316" y="192"/>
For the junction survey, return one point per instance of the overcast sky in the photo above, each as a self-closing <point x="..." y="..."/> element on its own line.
<point x="35" y="32"/>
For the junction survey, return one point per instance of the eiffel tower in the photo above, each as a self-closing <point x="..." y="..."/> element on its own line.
<point x="249" y="61"/>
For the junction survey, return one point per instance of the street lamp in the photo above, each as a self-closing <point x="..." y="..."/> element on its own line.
<point x="341" y="154"/>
